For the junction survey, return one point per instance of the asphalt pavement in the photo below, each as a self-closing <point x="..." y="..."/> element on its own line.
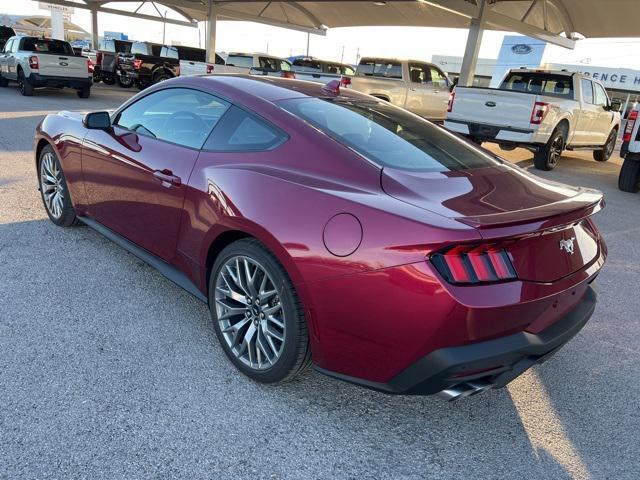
<point x="108" y="370"/>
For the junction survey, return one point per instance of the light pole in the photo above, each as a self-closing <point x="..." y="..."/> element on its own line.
<point x="164" y="26"/>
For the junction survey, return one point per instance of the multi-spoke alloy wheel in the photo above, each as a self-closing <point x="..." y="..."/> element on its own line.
<point x="249" y="311"/>
<point x="257" y="315"/>
<point x="54" y="191"/>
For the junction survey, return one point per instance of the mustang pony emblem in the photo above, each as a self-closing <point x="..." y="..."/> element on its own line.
<point x="567" y="245"/>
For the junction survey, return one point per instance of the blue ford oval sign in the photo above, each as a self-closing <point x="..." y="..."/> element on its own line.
<point x="521" y="49"/>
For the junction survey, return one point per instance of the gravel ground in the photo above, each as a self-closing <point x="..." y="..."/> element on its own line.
<point x="107" y="370"/>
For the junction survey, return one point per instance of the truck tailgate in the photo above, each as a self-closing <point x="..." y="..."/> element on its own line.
<point x="62" y="65"/>
<point x="490" y="106"/>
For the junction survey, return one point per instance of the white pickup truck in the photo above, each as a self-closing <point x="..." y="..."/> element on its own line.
<point x="543" y="111"/>
<point x="319" y="71"/>
<point x="420" y="87"/>
<point x="44" y="62"/>
<point x="192" y="60"/>
<point x="629" y="179"/>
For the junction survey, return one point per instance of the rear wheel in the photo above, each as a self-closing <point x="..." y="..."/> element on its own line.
<point x="54" y="191"/>
<point x="125" y="81"/>
<point x="84" y="92"/>
<point x="3" y="81"/>
<point x="605" y="154"/>
<point x="629" y="179"/>
<point x="160" y="76"/>
<point x="257" y="315"/>
<point x="25" y="88"/>
<point x="108" y="80"/>
<point x="547" y="156"/>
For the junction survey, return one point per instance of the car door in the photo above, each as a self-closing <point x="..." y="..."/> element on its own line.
<point x="604" y="115"/>
<point x="135" y="172"/>
<point x="438" y="85"/>
<point x="417" y="89"/>
<point x="583" y="132"/>
<point x="4" y="56"/>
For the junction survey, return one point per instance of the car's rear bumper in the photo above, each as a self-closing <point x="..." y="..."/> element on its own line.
<point x="38" y="80"/>
<point x="496" y="361"/>
<point x="497" y="133"/>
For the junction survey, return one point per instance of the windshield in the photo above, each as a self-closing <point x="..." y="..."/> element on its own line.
<point x="389" y="135"/>
<point x="46" y="45"/>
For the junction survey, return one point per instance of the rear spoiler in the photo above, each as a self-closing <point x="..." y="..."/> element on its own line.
<point x="586" y="203"/>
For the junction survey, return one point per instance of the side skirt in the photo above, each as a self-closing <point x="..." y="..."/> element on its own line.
<point x="169" y="271"/>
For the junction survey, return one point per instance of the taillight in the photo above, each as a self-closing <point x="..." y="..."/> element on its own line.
<point x="631" y="122"/>
<point x="539" y="112"/>
<point x="90" y="66"/>
<point x="137" y="63"/>
<point x="209" y="69"/>
<point x="288" y="74"/>
<point x="452" y="97"/>
<point x="345" y="81"/>
<point x="33" y="62"/>
<point x="466" y="264"/>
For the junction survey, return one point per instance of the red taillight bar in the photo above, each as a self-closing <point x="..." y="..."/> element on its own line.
<point x="631" y="122"/>
<point x="539" y="112"/>
<point x="470" y="264"/>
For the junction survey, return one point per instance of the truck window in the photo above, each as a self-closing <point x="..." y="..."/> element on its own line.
<point x="169" y="52"/>
<point x="308" y="65"/>
<point x="587" y="90"/>
<point x="240" y="61"/>
<point x="7" y="46"/>
<point x="438" y="78"/>
<point x="380" y="68"/>
<point x="539" y="83"/>
<point x="108" y="46"/>
<point x="46" y="45"/>
<point x="600" y="95"/>
<point x="139" y="48"/>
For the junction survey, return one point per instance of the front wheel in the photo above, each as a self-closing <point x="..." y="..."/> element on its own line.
<point x="547" y="156"/>
<point x="54" y="191"/>
<point x="605" y="154"/>
<point x="257" y="315"/>
<point x="629" y="179"/>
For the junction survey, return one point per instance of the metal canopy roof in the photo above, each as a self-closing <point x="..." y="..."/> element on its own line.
<point x="555" y="21"/>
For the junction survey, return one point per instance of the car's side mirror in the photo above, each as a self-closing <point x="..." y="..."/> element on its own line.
<point x="616" y="105"/>
<point x="97" y="120"/>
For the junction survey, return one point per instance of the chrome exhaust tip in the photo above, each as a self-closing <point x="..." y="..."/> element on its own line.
<point x="465" y="389"/>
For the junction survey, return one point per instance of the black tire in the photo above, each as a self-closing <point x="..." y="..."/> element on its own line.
<point x="84" y="92"/>
<point x="629" y="179"/>
<point x="607" y="149"/>
<point x="128" y="83"/>
<point x="160" y="76"/>
<point x="3" y="82"/>
<point x="67" y="216"/>
<point x="547" y="156"/>
<point x="140" y="85"/>
<point x="25" y="88"/>
<point x="295" y="355"/>
<point x="474" y="140"/>
<point x="108" y="80"/>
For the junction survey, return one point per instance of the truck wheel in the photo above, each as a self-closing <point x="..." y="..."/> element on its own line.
<point x="26" y="89"/>
<point x="108" y="80"/>
<point x="140" y="85"/>
<point x="125" y="81"/>
<point x="160" y="77"/>
<point x="629" y="179"/>
<point x="84" y="92"/>
<point x="3" y="81"/>
<point x="605" y="154"/>
<point x="547" y="156"/>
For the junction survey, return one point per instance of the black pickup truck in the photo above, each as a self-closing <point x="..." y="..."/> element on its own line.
<point x="147" y="65"/>
<point x="108" y="60"/>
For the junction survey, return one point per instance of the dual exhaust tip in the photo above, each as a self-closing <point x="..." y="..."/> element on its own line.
<point x="464" y="389"/>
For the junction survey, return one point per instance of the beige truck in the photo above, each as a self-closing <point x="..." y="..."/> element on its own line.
<point x="419" y="87"/>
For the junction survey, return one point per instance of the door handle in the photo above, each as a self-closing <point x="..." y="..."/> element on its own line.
<point x="167" y="178"/>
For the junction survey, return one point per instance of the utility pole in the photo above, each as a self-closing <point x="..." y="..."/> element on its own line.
<point x="164" y="26"/>
<point x="342" y="55"/>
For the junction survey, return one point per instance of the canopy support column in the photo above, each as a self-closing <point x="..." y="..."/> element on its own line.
<point x="94" y="29"/>
<point x="474" y="40"/>
<point x="212" y="21"/>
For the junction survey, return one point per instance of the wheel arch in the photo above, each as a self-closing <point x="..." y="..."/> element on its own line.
<point x="381" y="96"/>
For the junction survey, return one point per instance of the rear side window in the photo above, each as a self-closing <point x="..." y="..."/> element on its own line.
<point x="388" y="135"/>
<point x="380" y="68"/>
<point x="307" y="65"/>
<point x="169" y="52"/>
<point x="108" y="46"/>
<point x="178" y="115"/>
<point x="239" y="131"/>
<point x="140" y="48"/>
<point x="539" y="83"/>
<point x="240" y="61"/>
<point x="46" y="45"/>
<point x="587" y="90"/>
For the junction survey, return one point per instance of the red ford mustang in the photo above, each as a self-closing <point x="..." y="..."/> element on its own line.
<point x="327" y="226"/>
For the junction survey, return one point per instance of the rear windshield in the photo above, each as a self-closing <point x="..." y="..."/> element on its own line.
<point x="240" y="61"/>
<point x="389" y="136"/>
<point x="46" y="45"/>
<point x="380" y="68"/>
<point x="539" y="83"/>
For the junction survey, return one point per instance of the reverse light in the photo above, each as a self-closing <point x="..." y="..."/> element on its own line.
<point x="470" y="264"/>
<point x="452" y="97"/>
<point x="539" y="112"/>
<point x="137" y="63"/>
<point x="631" y="122"/>
<point x="33" y="62"/>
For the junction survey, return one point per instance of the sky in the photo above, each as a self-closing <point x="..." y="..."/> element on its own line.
<point x="342" y="43"/>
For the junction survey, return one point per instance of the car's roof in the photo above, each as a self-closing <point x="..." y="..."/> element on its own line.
<point x="274" y="88"/>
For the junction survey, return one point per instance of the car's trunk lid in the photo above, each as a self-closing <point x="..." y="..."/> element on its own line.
<point x="543" y="221"/>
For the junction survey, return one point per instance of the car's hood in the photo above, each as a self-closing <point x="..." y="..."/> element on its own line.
<point x="485" y="197"/>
